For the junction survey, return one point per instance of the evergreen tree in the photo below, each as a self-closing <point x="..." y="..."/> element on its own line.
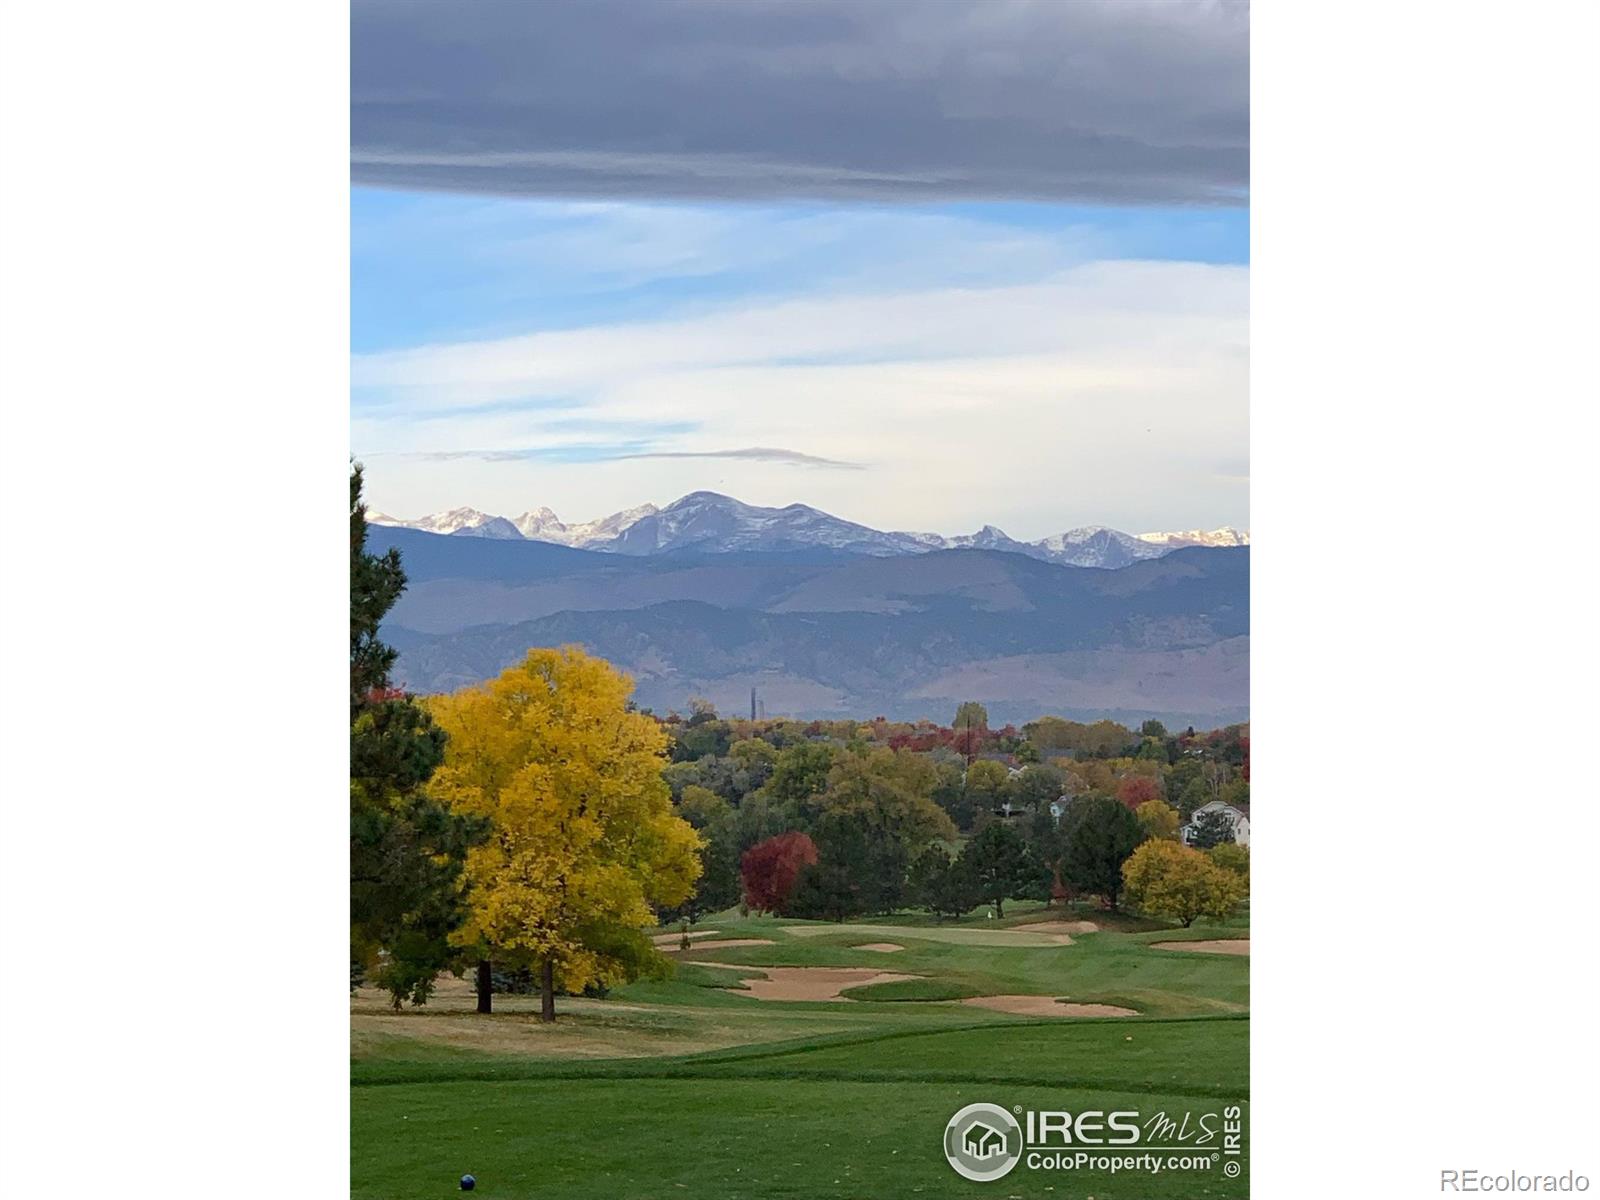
<point x="407" y="851"/>
<point x="1000" y="865"/>
<point x="1100" y="835"/>
<point x="1212" y="829"/>
<point x="940" y="884"/>
<point x="859" y="869"/>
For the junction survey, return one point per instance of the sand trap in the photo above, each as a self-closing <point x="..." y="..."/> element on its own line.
<point x="1220" y="946"/>
<point x="880" y="947"/>
<point x="672" y="939"/>
<point x="1066" y="927"/>
<point x="810" y="983"/>
<point x="1047" y="1006"/>
<point x="719" y="943"/>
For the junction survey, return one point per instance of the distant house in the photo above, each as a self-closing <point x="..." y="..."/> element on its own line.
<point x="983" y="1141"/>
<point x="1058" y="807"/>
<point x="1240" y="822"/>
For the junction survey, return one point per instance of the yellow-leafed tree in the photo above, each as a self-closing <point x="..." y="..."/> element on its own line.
<point x="1166" y="879"/>
<point x="585" y="843"/>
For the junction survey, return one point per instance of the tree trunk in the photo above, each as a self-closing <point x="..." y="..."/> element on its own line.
<point x="485" y="985"/>
<point x="1000" y="908"/>
<point x="547" y="991"/>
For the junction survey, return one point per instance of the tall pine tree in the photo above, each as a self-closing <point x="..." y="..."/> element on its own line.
<point x="407" y="851"/>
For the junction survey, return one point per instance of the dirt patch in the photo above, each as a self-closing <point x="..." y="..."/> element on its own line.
<point x="672" y="939"/>
<point x="719" y="943"/>
<point x="1065" y="927"/>
<point x="1047" y="1006"/>
<point x="1219" y="946"/>
<point x="810" y="983"/>
<point x="880" y="947"/>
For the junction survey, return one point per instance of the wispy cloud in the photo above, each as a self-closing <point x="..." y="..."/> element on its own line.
<point x="767" y="454"/>
<point x="1107" y="393"/>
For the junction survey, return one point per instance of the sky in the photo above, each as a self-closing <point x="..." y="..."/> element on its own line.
<point x="986" y="266"/>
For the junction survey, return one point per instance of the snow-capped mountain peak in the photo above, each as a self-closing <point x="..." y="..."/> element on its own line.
<point x="1226" y="536"/>
<point x="468" y="521"/>
<point x="711" y="523"/>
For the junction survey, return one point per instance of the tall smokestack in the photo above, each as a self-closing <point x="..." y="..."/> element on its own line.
<point x="752" y="704"/>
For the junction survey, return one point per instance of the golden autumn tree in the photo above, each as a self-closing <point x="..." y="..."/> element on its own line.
<point x="585" y="842"/>
<point x="1166" y="879"/>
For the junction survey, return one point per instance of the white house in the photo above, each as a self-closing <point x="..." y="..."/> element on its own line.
<point x="1240" y="822"/>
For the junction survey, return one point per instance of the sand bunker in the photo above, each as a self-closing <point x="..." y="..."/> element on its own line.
<point x="672" y="939"/>
<point x="1220" y="946"/>
<point x="881" y="947"/>
<point x="719" y="943"/>
<point x="1047" y="1006"/>
<point x="1065" y="927"/>
<point x="810" y="983"/>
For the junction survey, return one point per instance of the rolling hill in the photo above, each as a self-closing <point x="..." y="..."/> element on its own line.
<point x="825" y="632"/>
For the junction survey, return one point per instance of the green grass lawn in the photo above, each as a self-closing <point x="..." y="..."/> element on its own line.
<point x="688" y="1088"/>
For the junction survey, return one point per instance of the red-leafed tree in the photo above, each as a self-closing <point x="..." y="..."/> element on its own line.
<point x="769" y="870"/>
<point x="1134" y="790"/>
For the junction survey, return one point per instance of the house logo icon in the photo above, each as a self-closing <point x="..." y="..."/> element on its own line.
<point x="982" y="1142"/>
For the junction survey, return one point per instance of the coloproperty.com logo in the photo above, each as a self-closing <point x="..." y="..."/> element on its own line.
<point x="984" y="1142"/>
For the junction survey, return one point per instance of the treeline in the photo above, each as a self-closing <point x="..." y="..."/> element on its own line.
<point x="834" y="819"/>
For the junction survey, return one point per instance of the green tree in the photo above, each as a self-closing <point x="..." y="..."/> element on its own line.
<point x="1100" y="835"/>
<point x="1195" y="794"/>
<point x="950" y="793"/>
<point x="987" y="786"/>
<point x="1000" y="865"/>
<point x="407" y="850"/>
<point x="1232" y="857"/>
<point x="799" y="773"/>
<point x="860" y="869"/>
<point x="1211" y="829"/>
<point x="889" y="791"/>
<point x="718" y="886"/>
<point x="940" y="884"/>
<point x="702" y="736"/>
<point x="1037" y="785"/>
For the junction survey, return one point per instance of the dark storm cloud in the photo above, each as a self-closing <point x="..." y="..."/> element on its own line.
<point x="1115" y="101"/>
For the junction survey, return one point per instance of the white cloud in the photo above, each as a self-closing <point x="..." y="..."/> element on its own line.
<point x="1113" y="392"/>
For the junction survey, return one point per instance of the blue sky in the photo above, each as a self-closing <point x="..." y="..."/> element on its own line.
<point x="927" y="266"/>
<point x="438" y="266"/>
<point x="1052" y="365"/>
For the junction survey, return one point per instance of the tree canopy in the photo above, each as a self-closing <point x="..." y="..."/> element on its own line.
<point x="585" y="844"/>
<point x="1166" y="879"/>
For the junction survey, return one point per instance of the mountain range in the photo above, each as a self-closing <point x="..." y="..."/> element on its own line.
<point x="711" y="523"/>
<point x="822" y="621"/>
